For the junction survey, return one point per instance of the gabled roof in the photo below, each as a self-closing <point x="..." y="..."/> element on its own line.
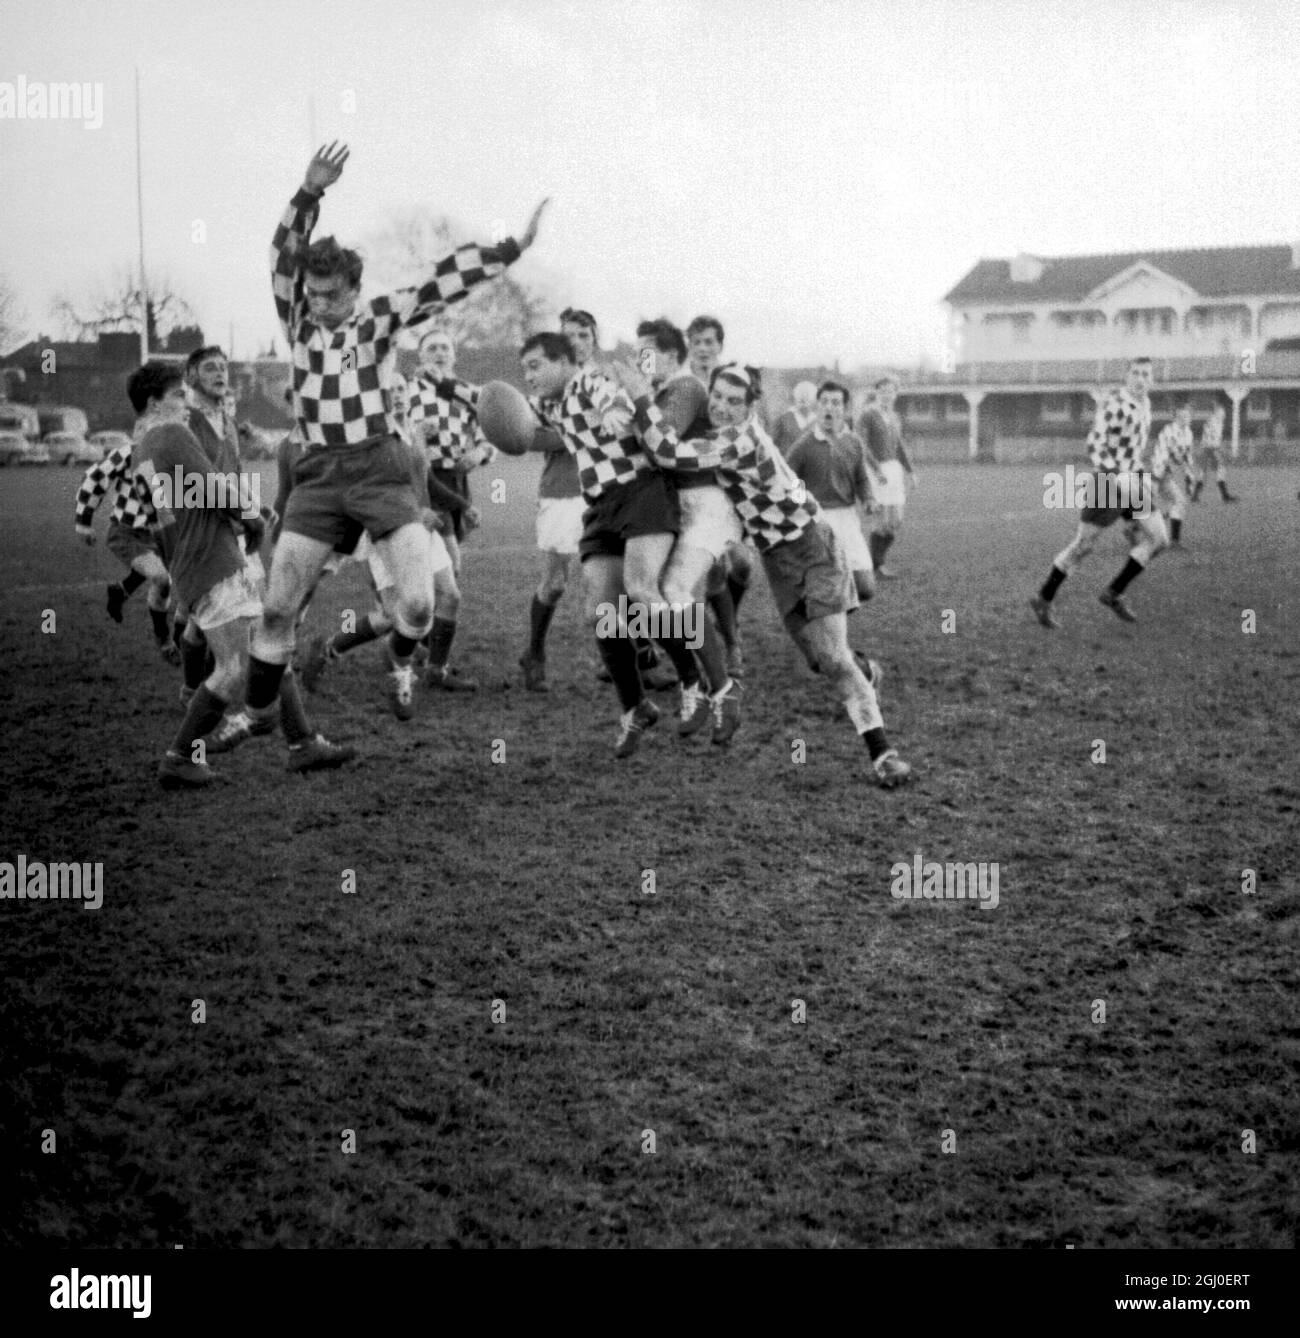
<point x="1214" y="271"/>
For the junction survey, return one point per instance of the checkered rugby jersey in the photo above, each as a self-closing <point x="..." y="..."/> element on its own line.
<point x="595" y="418"/>
<point x="339" y="399"/>
<point x="1118" y="440"/>
<point x="132" y="505"/>
<point x="451" y="425"/>
<point x="1173" y="448"/>
<point x="773" y="503"/>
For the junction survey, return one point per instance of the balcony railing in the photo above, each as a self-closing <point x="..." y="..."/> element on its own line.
<point x="1105" y="371"/>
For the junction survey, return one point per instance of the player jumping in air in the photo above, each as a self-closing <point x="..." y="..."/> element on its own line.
<point x="1117" y="447"/>
<point x="353" y="469"/>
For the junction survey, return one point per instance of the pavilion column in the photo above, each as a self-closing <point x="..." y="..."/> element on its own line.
<point x="974" y="398"/>
<point x="1236" y="394"/>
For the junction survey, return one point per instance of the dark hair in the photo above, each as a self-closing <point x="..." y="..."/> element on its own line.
<point x="326" y="258"/>
<point x="702" y="323"/>
<point x="748" y="377"/>
<point x="208" y="351"/>
<point x="578" y="317"/>
<point x="1133" y="362"/>
<point x="834" y="386"/>
<point x="555" y="347"/>
<point x="668" y="338"/>
<point x="437" y="330"/>
<point x="152" y="382"/>
<point x="885" y="381"/>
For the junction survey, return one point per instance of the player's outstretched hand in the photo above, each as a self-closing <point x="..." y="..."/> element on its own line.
<point x="471" y="517"/>
<point x="326" y="167"/>
<point x="630" y="377"/>
<point x="530" y="232"/>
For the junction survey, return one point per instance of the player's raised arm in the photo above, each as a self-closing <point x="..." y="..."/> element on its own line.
<point x="453" y="278"/>
<point x="658" y="437"/>
<point x="294" y="233"/>
<point x="98" y="478"/>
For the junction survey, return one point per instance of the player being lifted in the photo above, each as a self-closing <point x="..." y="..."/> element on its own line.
<point x="1173" y="454"/>
<point x="1117" y="447"/>
<point x="805" y="565"/>
<point x="353" y="470"/>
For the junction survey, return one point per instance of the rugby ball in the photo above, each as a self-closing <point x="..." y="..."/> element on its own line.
<point x="506" y="417"/>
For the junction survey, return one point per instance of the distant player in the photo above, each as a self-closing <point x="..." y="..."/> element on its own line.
<point x="882" y="430"/>
<point x="1117" y="448"/>
<point x="704" y="340"/>
<point x="1171" y="457"/>
<point x="804" y="563"/>
<point x="134" y="536"/>
<point x="354" y="469"/>
<point x="798" y="418"/>
<point x="1212" y="455"/>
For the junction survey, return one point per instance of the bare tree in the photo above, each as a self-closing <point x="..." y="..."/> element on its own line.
<point x="404" y="252"/>
<point x="13" y="319"/>
<point x="116" y="304"/>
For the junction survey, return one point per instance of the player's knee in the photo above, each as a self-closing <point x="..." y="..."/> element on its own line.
<point x="416" y="612"/>
<point x="866" y="584"/>
<point x="446" y="602"/>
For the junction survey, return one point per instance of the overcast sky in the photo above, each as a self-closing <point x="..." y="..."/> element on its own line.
<point x="816" y="174"/>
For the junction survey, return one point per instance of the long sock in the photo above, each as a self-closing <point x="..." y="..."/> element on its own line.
<point x="441" y="635"/>
<point x="724" y="609"/>
<point x="736" y="589"/>
<point x="1132" y="568"/>
<point x="886" y="541"/>
<point x="539" y="623"/>
<point x="620" y="659"/>
<point x="131" y="582"/>
<point x="683" y="661"/>
<point x="1053" y="583"/>
<point x="1223" y="489"/>
<point x="162" y="631"/>
<point x="293" y="715"/>
<point x="712" y="652"/>
<point x="263" y="683"/>
<point x="342" y="642"/>
<point x="877" y="744"/>
<point x="203" y="713"/>
<point x="178" y="629"/>
<point x="402" y="647"/>
<point x="876" y="542"/>
<point x="1176" y="529"/>
<point x="646" y="655"/>
<point x="194" y="662"/>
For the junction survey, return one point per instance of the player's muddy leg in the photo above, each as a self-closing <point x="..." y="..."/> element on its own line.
<point x="294" y="570"/>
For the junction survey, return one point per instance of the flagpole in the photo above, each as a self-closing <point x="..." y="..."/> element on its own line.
<point x="139" y="205"/>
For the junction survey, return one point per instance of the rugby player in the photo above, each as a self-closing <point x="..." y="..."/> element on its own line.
<point x="353" y="469"/>
<point x="1172" y="453"/>
<point x="804" y="563"/>
<point x="630" y="523"/>
<point x="560" y="508"/>
<point x="134" y="537"/>
<point x="798" y="418"/>
<point x="216" y="583"/>
<point x="1117" y="448"/>
<point x="881" y="429"/>
<point x="1212" y="455"/>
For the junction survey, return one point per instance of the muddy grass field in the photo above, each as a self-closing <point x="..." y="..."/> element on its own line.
<point x="530" y="1047"/>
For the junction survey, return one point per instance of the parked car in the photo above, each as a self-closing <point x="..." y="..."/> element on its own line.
<point x="71" y="448"/>
<point x="21" y="418"/>
<point x="38" y="453"/>
<point x="62" y="418"/>
<point x="13" y="448"/>
<point x="106" y="441"/>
